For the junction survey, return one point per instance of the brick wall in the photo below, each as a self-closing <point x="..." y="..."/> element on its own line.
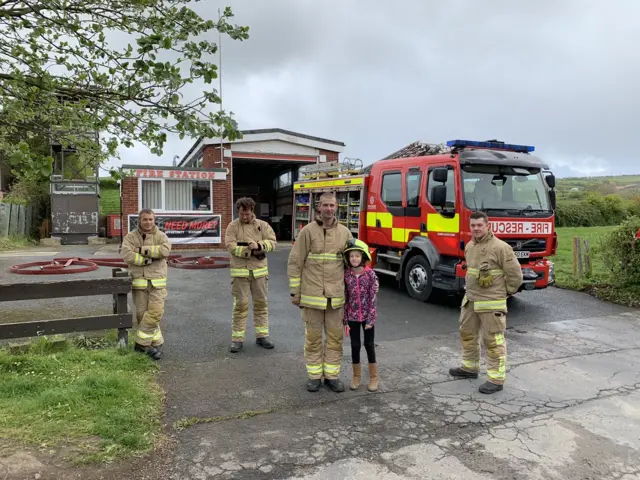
<point x="129" y="201"/>
<point x="331" y="156"/>
<point x="221" y="189"/>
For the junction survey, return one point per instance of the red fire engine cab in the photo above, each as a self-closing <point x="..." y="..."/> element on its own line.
<point x="413" y="212"/>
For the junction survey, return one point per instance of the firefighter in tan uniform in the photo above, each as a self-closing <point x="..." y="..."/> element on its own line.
<point x="493" y="274"/>
<point x="248" y="240"/>
<point x="316" y="280"/>
<point x="146" y="250"/>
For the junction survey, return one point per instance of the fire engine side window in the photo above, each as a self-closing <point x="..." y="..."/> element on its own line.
<point x="451" y="189"/>
<point x="392" y="189"/>
<point x="413" y="189"/>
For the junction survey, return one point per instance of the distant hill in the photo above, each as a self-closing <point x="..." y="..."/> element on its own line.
<point x="624" y="185"/>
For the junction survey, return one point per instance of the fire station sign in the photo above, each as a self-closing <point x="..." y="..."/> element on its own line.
<point x="191" y="229"/>
<point x="219" y="174"/>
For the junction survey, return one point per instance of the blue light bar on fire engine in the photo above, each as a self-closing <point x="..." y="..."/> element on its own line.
<point x="502" y="145"/>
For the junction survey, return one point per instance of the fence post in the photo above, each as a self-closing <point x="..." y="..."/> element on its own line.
<point x="577" y="257"/>
<point x="120" y="306"/>
<point x="587" y="258"/>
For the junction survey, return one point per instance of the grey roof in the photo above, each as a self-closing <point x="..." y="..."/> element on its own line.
<point x="268" y="130"/>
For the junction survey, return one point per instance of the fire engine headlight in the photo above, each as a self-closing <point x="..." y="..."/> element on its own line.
<point x="529" y="274"/>
<point x="552" y="273"/>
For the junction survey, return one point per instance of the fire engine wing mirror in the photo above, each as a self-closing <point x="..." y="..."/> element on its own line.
<point x="439" y="196"/>
<point x="552" y="199"/>
<point x="440" y="175"/>
<point x="551" y="181"/>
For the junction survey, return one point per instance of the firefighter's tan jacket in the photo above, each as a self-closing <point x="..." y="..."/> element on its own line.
<point x="316" y="266"/>
<point x="493" y="273"/>
<point x="146" y="255"/>
<point x="242" y="261"/>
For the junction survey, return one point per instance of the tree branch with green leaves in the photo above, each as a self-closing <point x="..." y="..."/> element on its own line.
<point x="63" y="77"/>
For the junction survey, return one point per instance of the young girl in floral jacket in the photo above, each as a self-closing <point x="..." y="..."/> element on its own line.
<point x="361" y="290"/>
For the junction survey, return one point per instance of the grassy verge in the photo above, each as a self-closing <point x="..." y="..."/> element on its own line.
<point x="14" y="243"/>
<point x="98" y="404"/>
<point x="599" y="283"/>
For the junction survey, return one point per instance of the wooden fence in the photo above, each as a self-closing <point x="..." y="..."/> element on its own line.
<point x="582" y="265"/>
<point x="119" y="286"/>
<point x="17" y="220"/>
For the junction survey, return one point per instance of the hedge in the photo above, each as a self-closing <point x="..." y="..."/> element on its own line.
<point x="596" y="210"/>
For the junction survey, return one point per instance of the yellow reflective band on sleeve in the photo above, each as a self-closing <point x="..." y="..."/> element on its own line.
<point x="325" y="257"/>
<point x="138" y="260"/>
<point x="337" y="302"/>
<point x="159" y="282"/>
<point x="438" y="223"/>
<point x="294" y="282"/>
<point x="309" y="301"/>
<point x="153" y="251"/>
<point x="267" y="246"/>
<point x="489" y="305"/>
<point x="238" y="251"/>
<point x="260" y="272"/>
<point x="139" y="283"/>
<point x="240" y="272"/>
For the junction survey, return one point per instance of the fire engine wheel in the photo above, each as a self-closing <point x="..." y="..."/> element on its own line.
<point x="418" y="278"/>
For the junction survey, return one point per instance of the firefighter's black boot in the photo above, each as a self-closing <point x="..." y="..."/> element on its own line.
<point x="153" y="352"/>
<point x="334" y="384"/>
<point x="488" y="388"/>
<point x="460" y="373"/>
<point x="235" y="347"/>
<point x="265" y="342"/>
<point x="313" y="385"/>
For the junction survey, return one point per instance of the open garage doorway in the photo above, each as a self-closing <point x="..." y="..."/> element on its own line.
<point x="270" y="184"/>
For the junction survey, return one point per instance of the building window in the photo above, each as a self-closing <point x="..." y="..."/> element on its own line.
<point x="392" y="189"/>
<point x="284" y="180"/>
<point x="164" y="195"/>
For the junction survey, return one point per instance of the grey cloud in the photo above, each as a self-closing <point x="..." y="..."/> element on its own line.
<point x="378" y="75"/>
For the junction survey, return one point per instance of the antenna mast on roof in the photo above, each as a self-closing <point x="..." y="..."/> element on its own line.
<point x="220" y="84"/>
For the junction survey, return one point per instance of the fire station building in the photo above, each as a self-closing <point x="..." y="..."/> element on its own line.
<point x="194" y="199"/>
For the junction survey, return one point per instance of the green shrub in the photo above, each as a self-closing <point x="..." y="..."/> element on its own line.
<point x="620" y="253"/>
<point x="596" y="210"/>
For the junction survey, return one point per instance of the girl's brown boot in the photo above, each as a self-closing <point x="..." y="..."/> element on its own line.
<point x="373" y="377"/>
<point x="355" y="382"/>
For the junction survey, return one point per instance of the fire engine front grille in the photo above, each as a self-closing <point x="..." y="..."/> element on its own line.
<point x="529" y="245"/>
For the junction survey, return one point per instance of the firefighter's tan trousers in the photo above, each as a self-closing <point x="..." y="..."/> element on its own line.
<point x="241" y="289"/>
<point x="323" y="359"/>
<point x="493" y="325"/>
<point x="149" y="304"/>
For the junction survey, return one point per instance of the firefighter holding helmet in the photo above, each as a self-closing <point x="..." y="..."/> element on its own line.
<point x="249" y="240"/>
<point x="493" y="274"/>
<point x="316" y="281"/>
<point x="145" y="250"/>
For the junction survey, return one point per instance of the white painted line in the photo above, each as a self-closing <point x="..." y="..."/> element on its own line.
<point x="28" y="254"/>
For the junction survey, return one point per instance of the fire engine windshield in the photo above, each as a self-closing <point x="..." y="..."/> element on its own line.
<point x="501" y="190"/>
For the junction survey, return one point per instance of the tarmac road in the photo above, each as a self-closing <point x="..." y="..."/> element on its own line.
<point x="555" y="338"/>
<point x="199" y="308"/>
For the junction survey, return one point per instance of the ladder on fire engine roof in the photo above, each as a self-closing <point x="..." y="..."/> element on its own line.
<point x="349" y="166"/>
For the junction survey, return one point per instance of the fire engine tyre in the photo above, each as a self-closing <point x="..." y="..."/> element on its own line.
<point x="418" y="278"/>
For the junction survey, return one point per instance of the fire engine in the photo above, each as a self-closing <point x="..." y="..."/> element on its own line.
<point x="412" y="209"/>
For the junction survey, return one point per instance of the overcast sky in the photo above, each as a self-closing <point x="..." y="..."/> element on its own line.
<point x="377" y="75"/>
